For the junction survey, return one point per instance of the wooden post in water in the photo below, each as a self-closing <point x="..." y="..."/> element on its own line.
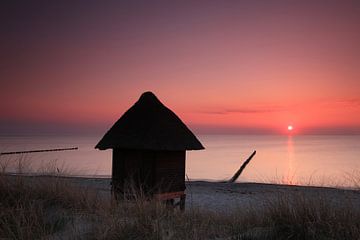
<point x="237" y="174"/>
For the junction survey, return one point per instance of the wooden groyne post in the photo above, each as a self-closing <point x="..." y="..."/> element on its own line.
<point x="42" y="150"/>
<point x="237" y="174"/>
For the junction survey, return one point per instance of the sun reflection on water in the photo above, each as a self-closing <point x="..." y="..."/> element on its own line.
<point x="289" y="178"/>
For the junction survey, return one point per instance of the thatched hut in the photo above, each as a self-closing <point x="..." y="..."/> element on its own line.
<point x="149" y="143"/>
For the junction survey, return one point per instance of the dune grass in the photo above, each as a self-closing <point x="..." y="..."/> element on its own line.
<point x="52" y="208"/>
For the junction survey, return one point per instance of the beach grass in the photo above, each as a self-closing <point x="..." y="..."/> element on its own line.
<point x="50" y="207"/>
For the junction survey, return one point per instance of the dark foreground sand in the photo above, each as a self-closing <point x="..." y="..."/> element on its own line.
<point x="225" y="197"/>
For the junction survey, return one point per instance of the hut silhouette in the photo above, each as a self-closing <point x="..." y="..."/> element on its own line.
<point x="149" y="143"/>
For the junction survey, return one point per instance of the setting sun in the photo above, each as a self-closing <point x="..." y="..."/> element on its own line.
<point x="290" y="128"/>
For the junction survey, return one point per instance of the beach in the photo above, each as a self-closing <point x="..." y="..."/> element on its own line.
<point x="222" y="197"/>
<point x="58" y="207"/>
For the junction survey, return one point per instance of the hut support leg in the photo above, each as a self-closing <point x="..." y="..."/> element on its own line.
<point x="182" y="202"/>
<point x="169" y="203"/>
<point x="113" y="192"/>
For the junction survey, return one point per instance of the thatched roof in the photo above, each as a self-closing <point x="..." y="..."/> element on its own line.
<point x="148" y="124"/>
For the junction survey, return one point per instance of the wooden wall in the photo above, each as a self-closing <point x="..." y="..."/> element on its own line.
<point x="153" y="171"/>
<point x="170" y="171"/>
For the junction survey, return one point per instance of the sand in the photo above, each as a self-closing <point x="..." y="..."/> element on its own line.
<point x="226" y="197"/>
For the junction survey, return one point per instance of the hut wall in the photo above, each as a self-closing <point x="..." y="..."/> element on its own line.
<point x="133" y="168"/>
<point x="170" y="171"/>
<point x="153" y="171"/>
<point x="118" y="167"/>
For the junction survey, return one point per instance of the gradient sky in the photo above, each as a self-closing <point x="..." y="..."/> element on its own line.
<point x="222" y="66"/>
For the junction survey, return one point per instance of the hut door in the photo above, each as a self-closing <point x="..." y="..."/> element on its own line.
<point x="147" y="171"/>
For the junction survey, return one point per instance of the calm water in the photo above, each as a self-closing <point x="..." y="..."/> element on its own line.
<point x="316" y="160"/>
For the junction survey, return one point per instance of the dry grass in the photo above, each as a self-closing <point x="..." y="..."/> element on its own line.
<point x="22" y="215"/>
<point x="299" y="217"/>
<point x="52" y="208"/>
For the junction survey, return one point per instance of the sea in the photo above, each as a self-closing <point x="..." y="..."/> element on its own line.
<point x="317" y="160"/>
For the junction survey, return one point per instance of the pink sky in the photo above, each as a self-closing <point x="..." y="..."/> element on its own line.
<point x="222" y="66"/>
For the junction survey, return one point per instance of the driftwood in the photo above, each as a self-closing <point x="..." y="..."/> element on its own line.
<point x="237" y="174"/>
<point x="36" y="151"/>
